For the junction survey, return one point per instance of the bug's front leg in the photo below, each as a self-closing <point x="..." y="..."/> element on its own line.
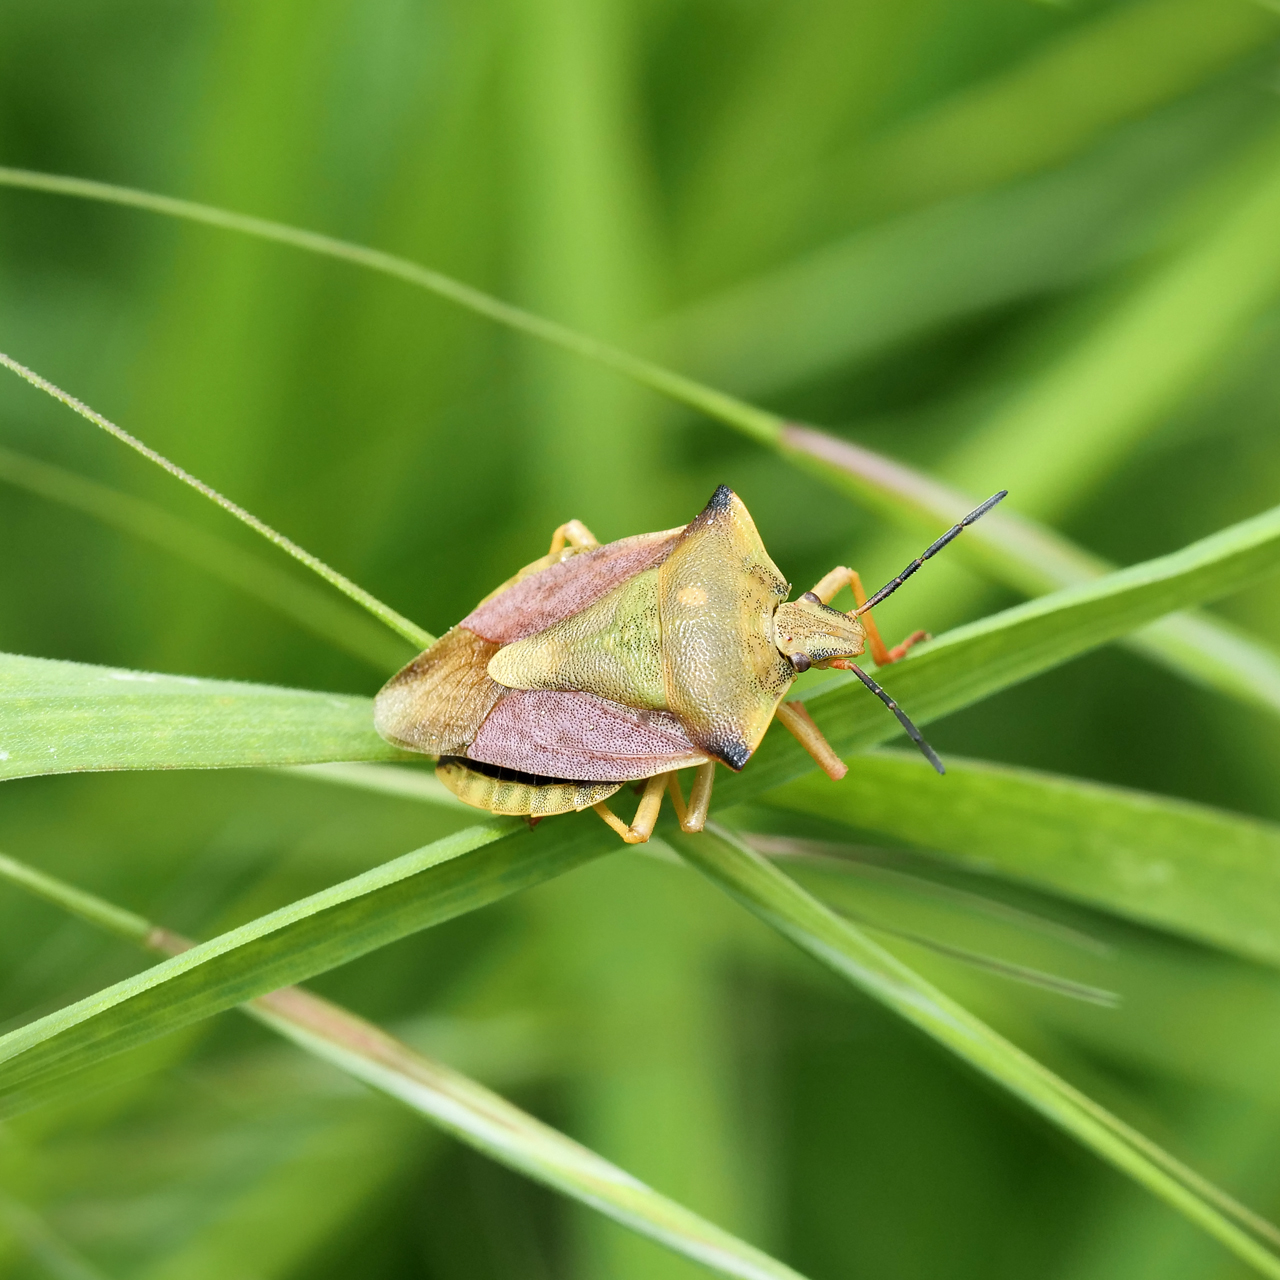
<point x="575" y="534"/>
<point x="826" y="589"/>
<point x="642" y="826"/>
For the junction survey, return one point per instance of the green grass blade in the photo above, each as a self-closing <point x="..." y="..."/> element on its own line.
<point x="310" y="607"/>
<point x="457" y="874"/>
<point x="974" y="661"/>
<point x="384" y="613"/>
<point x="1033" y="559"/>
<point x="783" y="904"/>
<point x="67" y="717"/>
<point x="1201" y="872"/>
<point x="472" y="1113"/>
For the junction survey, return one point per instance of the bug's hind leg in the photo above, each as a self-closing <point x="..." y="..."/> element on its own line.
<point x="796" y="717"/>
<point x="826" y="590"/>
<point x="694" y="816"/>
<point x="575" y="534"/>
<point x="642" y="825"/>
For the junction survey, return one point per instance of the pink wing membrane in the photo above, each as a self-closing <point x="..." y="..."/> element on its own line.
<point x="582" y="737"/>
<point x="563" y="589"/>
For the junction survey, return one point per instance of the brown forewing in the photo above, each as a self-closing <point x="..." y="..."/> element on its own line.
<point x="440" y="699"/>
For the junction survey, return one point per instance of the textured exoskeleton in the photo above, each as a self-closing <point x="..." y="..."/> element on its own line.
<point x="601" y="665"/>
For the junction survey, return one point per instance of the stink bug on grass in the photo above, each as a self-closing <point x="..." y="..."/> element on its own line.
<point x="596" y="666"/>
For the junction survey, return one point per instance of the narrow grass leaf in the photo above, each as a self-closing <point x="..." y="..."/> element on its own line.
<point x="1201" y="872"/>
<point x="306" y="605"/>
<point x="450" y="877"/>
<point x="68" y="717"/>
<point x="384" y="613"/>
<point x="461" y="1106"/>
<point x="783" y="904"/>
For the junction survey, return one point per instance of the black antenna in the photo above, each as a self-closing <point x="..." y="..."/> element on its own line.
<point x="954" y="532"/>
<point x="925" y="749"/>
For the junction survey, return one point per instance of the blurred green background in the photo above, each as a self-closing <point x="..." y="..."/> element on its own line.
<point x="1011" y="243"/>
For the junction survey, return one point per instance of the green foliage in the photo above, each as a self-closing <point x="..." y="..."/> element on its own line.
<point x="1007" y="245"/>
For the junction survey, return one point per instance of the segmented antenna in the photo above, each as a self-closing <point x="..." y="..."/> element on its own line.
<point x="954" y="532"/>
<point x="915" y="735"/>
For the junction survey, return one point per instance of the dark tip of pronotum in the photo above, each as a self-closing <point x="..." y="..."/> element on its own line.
<point x="721" y="499"/>
<point x="734" y="754"/>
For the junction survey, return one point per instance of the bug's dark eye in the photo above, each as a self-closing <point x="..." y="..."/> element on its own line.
<point x="810" y="597"/>
<point x="801" y="661"/>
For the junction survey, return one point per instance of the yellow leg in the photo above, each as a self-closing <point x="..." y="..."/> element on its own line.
<point x="694" y="817"/>
<point x="576" y="534"/>
<point x="827" y="588"/>
<point x="646" y="815"/>
<point x="796" y="717"/>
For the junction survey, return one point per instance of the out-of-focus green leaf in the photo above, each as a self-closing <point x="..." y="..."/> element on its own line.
<point x="1209" y="875"/>
<point x="934" y="266"/>
<point x="474" y="1114"/>
<point x="67" y="717"/>
<point x="1068" y="427"/>
<point x="313" y="609"/>
<point x="784" y="905"/>
<point x="1060" y="98"/>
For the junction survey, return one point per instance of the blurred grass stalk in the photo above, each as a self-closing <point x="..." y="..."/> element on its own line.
<point x="473" y="1114"/>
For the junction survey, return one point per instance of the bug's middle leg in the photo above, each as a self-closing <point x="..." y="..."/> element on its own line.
<point x="830" y="583"/>
<point x="642" y="825"/>
<point x="575" y="534"/>
<point x="693" y="817"/>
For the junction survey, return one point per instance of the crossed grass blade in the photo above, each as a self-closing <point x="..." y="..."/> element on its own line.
<point x="772" y="895"/>
<point x="459" y="1105"/>
<point x="1202" y="649"/>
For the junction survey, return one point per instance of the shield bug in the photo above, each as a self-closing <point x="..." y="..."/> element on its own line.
<point x="597" y="666"/>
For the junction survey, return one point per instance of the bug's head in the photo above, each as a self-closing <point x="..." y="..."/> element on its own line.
<point x="811" y="633"/>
